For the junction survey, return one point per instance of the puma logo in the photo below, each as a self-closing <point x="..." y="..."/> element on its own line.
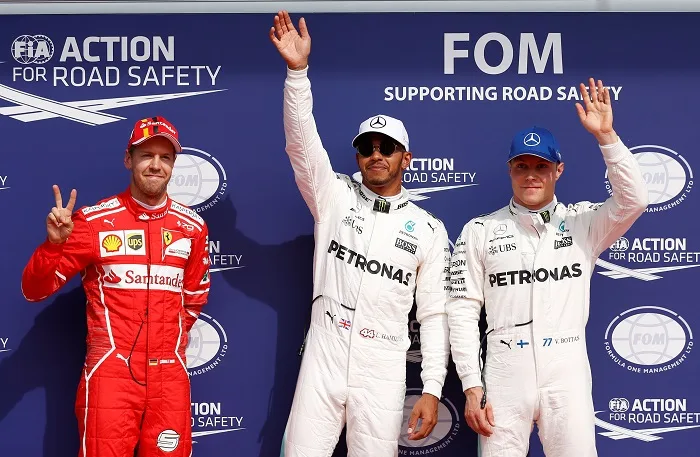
<point x="329" y="315"/>
<point x="126" y="360"/>
<point x="507" y="344"/>
<point x="109" y="222"/>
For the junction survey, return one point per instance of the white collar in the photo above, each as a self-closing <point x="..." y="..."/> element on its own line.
<point x="151" y="207"/>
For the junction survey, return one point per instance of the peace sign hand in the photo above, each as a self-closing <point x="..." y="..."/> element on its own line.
<point x="59" y="224"/>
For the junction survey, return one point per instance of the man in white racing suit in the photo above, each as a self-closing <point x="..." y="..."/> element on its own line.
<point x="529" y="264"/>
<point x="374" y="251"/>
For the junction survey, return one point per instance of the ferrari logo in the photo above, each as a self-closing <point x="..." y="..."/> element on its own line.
<point x="167" y="237"/>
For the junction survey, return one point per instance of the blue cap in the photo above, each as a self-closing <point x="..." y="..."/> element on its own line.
<point x="535" y="141"/>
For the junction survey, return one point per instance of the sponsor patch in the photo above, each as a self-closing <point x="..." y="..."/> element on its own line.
<point x="122" y="242"/>
<point x="205" y="278"/>
<point x="168" y="440"/>
<point x="139" y="277"/>
<point x="112" y="243"/>
<point x="113" y="203"/>
<point x="135" y="242"/>
<point x="563" y="243"/>
<point x="371" y="266"/>
<point x="405" y="245"/>
<point x="186" y="211"/>
<point x="176" y="244"/>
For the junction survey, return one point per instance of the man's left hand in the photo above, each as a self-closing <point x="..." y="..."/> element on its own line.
<point x="426" y="409"/>
<point x="597" y="117"/>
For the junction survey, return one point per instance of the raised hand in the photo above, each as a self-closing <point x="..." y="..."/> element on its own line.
<point x="597" y="117"/>
<point x="59" y="224"/>
<point x="293" y="47"/>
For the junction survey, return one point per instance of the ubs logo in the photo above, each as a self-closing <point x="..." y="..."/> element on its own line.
<point x="349" y="221"/>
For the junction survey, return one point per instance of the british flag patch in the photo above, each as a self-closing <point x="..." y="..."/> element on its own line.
<point x="344" y="323"/>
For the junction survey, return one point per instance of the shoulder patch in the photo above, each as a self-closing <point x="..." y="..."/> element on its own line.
<point x="583" y="206"/>
<point x="109" y="204"/>
<point x="186" y="211"/>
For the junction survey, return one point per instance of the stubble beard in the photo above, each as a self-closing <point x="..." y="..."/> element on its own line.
<point x="379" y="181"/>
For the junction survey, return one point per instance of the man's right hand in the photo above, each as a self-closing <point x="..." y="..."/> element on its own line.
<point x="293" y="47"/>
<point x="59" y="224"/>
<point x="479" y="420"/>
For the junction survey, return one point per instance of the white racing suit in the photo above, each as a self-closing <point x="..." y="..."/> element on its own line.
<point x="371" y="256"/>
<point x="531" y="271"/>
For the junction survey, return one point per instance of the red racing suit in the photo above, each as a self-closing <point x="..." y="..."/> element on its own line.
<point x="146" y="277"/>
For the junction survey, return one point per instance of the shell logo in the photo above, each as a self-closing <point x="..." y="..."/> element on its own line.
<point x="112" y="243"/>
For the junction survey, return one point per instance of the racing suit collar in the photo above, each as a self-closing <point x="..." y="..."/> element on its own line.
<point x="383" y="204"/>
<point x="141" y="212"/>
<point x="527" y="216"/>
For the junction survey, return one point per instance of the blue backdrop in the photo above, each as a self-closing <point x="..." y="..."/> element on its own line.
<point x="71" y="88"/>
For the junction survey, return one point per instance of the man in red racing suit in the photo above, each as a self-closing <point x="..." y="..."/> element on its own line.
<point x="144" y="263"/>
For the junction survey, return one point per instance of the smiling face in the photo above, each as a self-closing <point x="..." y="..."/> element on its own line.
<point x="151" y="164"/>
<point x="381" y="172"/>
<point x="533" y="180"/>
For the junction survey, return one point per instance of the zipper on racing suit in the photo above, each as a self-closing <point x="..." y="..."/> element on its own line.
<point x="532" y="304"/>
<point x="145" y="315"/>
<point x="148" y="294"/>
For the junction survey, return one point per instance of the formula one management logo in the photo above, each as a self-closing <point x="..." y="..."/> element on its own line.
<point x="91" y="62"/>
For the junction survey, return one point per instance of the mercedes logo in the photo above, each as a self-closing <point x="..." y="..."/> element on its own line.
<point x="531" y="139"/>
<point x="500" y="229"/>
<point x="377" y="123"/>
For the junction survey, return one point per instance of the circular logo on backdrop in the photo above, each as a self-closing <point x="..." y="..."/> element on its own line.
<point x="622" y="244"/>
<point x="648" y="339"/>
<point x="618" y="405"/>
<point x="28" y="49"/>
<point x="667" y="174"/>
<point x="442" y="435"/>
<point x="206" y="346"/>
<point x="198" y="180"/>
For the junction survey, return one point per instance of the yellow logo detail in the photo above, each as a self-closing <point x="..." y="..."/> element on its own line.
<point x="112" y="243"/>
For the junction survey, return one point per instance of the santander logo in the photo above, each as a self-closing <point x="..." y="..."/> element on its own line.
<point x="112" y="277"/>
<point x="134" y="276"/>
